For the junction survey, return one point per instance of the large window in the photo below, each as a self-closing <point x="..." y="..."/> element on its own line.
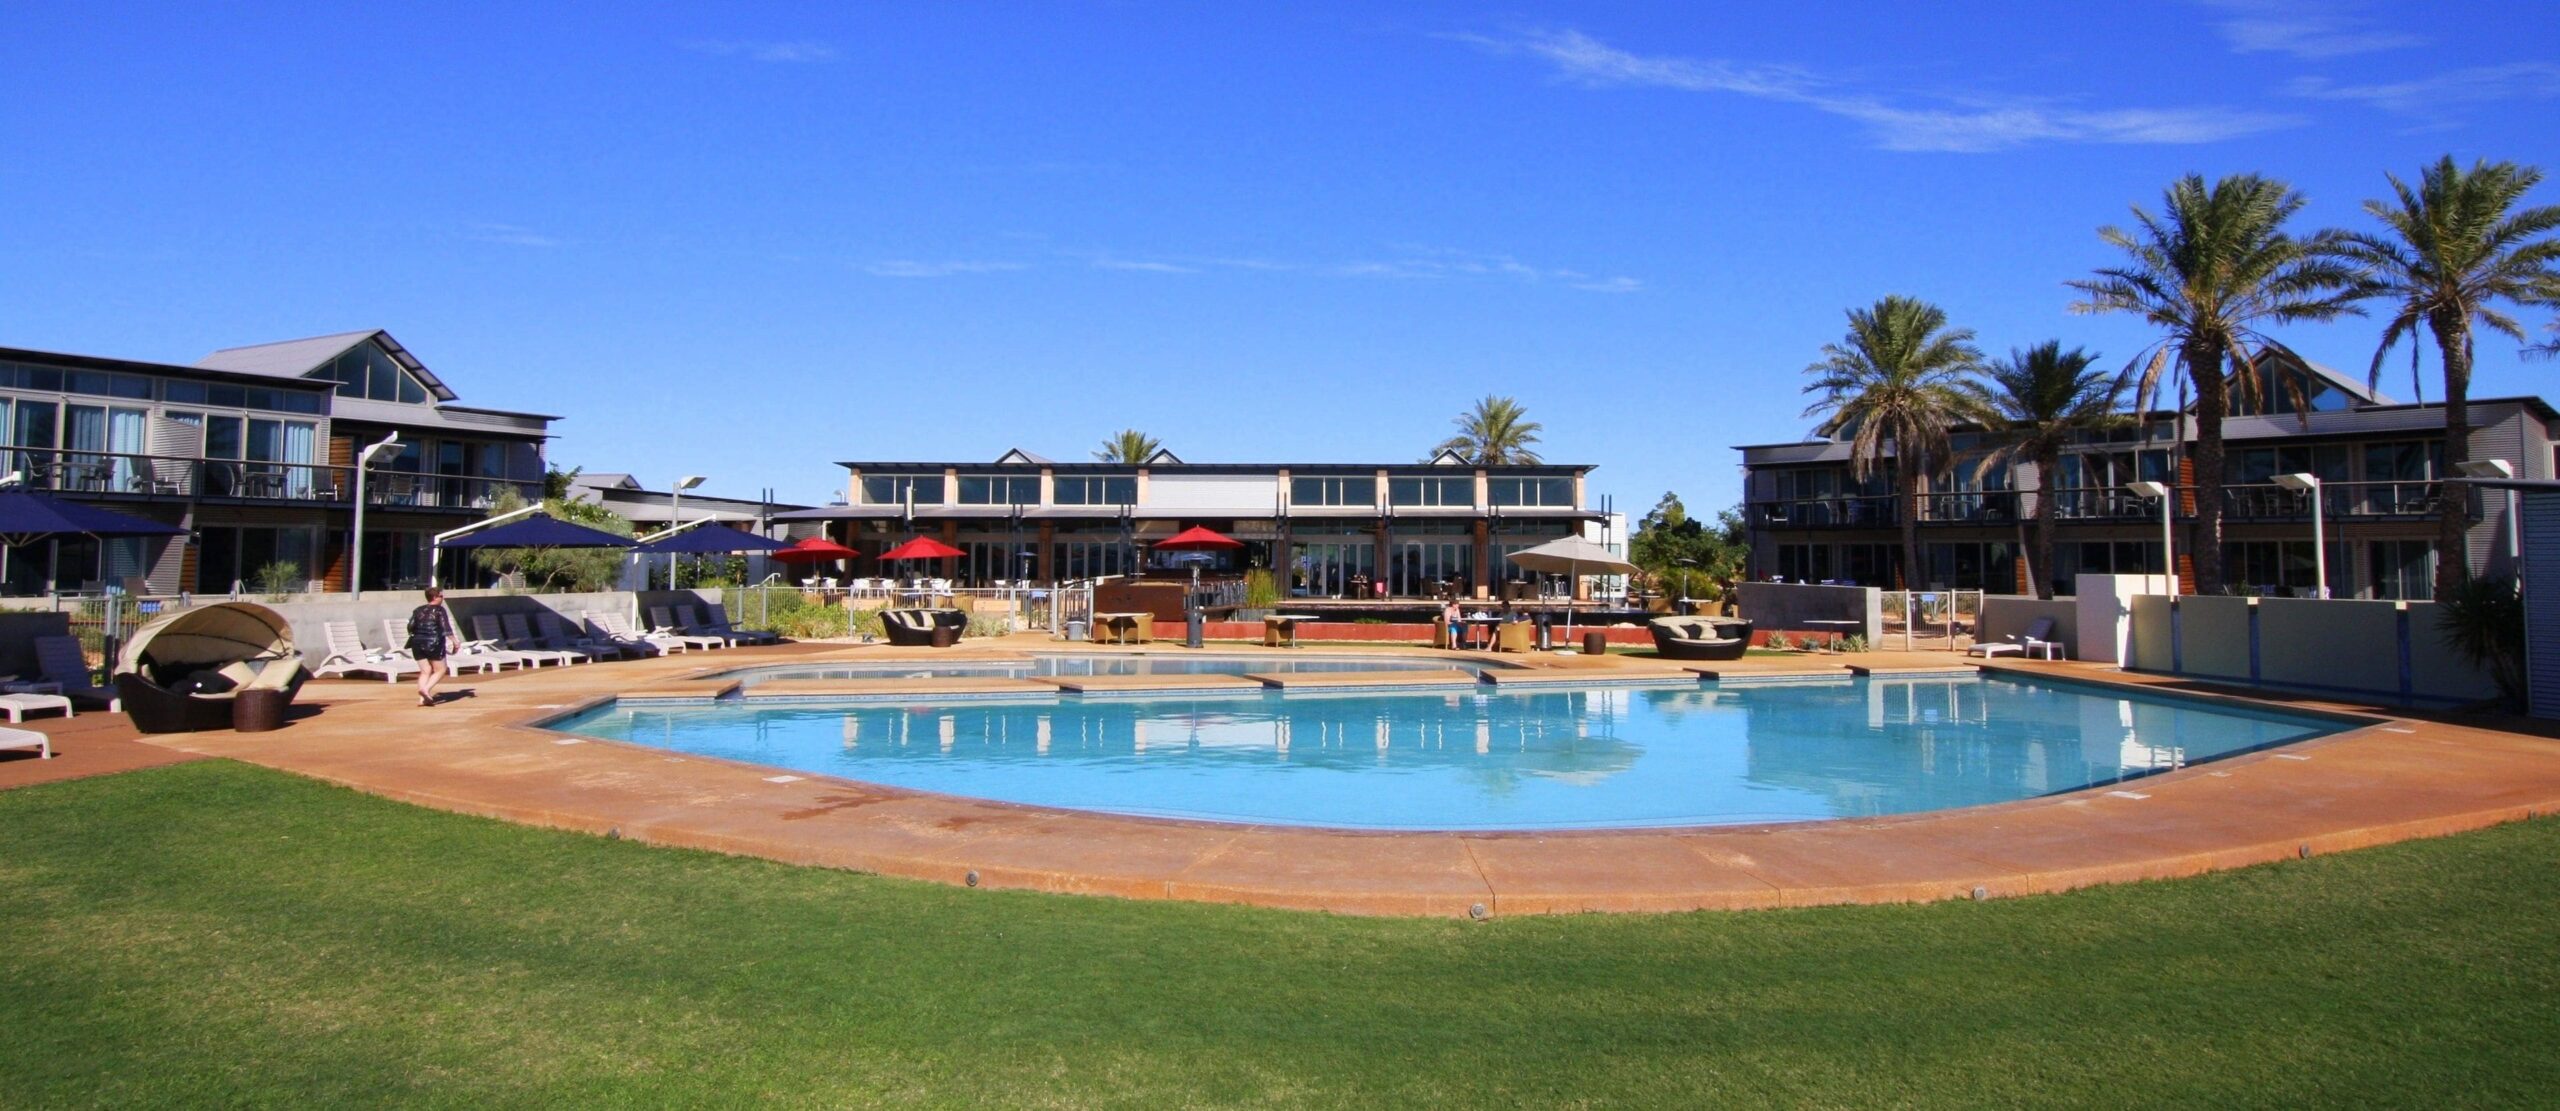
<point x="1428" y="492"/>
<point x="237" y="556"/>
<point x="241" y="397"/>
<point x="1333" y="490"/>
<point x="366" y="371"/>
<point x="1545" y="492"/>
<point x="896" y="489"/>
<point x="2402" y="570"/>
<point x="999" y="489"/>
<point x="1095" y="489"/>
<point x="2284" y="568"/>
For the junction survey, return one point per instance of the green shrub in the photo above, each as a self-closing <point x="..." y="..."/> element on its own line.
<point x="1260" y="592"/>
<point x="1854" y="644"/>
<point x="1778" y="642"/>
<point x="280" y="579"/>
<point x="788" y="613"/>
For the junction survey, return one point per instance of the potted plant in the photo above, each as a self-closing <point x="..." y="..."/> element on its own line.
<point x="1261" y="594"/>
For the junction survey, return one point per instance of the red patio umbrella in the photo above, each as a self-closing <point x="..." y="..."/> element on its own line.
<point x="1197" y="539"/>
<point x="816" y="549"/>
<point x="922" y="547"/>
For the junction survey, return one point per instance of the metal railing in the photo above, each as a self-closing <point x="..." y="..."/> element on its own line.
<point x="2270" y="502"/>
<point x="186" y="476"/>
<point x="2240" y="502"/>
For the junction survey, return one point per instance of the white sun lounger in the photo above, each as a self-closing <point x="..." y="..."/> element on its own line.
<point x="27" y="739"/>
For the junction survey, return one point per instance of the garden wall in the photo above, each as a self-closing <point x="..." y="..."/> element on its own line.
<point x="2382" y="651"/>
<point x="1791" y="606"/>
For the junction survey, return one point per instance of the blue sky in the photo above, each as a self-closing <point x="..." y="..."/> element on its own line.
<point x="750" y="241"/>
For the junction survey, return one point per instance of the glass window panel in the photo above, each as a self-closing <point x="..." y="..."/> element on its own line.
<point x="184" y="393"/>
<point x="233" y="396"/>
<point x="129" y="385"/>
<point x="411" y="393"/>
<point x="382" y="380"/>
<point x="46" y="379"/>
<point x="222" y="438"/>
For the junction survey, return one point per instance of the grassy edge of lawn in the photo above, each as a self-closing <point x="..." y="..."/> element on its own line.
<point x="218" y="933"/>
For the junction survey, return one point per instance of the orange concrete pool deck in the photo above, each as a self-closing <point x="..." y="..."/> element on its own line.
<point x="2393" y="779"/>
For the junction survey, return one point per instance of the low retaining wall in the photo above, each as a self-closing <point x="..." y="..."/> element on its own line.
<point x="2386" y="651"/>
<point x="1791" y="607"/>
<point x="2004" y="616"/>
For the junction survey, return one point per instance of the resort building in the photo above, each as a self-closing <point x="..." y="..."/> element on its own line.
<point x="2379" y="464"/>
<point x="1330" y="530"/>
<point x="253" y="451"/>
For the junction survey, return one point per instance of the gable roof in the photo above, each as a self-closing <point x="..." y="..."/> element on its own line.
<point x="1448" y="457"/>
<point x="1164" y="455"/>
<point x="299" y="358"/>
<point x="1017" y="455"/>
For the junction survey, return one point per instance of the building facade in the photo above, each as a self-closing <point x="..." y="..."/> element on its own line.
<point x="252" y="451"/>
<point x="2380" y="466"/>
<point x="1328" y="530"/>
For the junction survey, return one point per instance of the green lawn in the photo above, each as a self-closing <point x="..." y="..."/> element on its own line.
<point x="214" y="933"/>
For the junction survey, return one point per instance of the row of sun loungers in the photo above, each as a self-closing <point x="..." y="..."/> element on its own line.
<point x="542" y="639"/>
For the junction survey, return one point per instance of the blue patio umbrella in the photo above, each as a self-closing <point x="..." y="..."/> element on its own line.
<point x="710" y="540"/>
<point x="540" y="531"/>
<point x="27" y="517"/>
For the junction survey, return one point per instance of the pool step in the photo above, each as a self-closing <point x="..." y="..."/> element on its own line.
<point x="903" y="686"/>
<point x="1584" y="677"/>
<point x="1336" y="680"/>
<point x="1151" y="684"/>
<point x="679" y="690"/>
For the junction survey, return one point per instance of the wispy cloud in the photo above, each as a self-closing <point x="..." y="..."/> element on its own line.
<point x="755" y="50"/>
<point x="2307" y="30"/>
<point x="1144" y="266"/>
<point x="911" y="268"/>
<point x="1405" y="262"/>
<point x="2434" y="99"/>
<point x="1965" y="128"/>
<point x="509" y="235"/>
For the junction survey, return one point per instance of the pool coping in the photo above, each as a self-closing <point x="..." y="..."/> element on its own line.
<point x="2386" y="778"/>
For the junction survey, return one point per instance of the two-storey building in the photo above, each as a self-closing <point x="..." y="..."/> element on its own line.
<point x="1335" y="529"/>
<point x="252" y="451"/>
<point x="2380" y="466"/>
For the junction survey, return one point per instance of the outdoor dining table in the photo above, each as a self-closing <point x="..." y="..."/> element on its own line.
<point x="1488" y="623"/>
<point x="1277" y="627"/>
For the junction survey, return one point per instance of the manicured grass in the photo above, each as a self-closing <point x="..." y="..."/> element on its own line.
<point x="214" y="933"/>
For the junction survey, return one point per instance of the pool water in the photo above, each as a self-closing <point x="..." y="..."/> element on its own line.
<point x="1598" y="757"/>
<point x="1088" y="664"/>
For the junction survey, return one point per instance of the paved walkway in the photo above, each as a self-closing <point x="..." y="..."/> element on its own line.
<point x="2397" y="779"/>
<point x="91" y="744"/>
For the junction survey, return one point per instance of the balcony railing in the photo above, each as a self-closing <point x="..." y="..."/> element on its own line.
<point x="2241" y="502"/>
<point x="178" y="476"/>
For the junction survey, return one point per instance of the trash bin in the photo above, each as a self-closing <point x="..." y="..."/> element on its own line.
<point x="1595" y="643"/>
<point x="1077" y="630"/>
<point x="257" y="711"/>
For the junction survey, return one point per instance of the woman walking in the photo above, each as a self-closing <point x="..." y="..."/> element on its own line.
<point x="431" y="639"/>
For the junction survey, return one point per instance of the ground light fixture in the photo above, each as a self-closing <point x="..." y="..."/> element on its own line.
<point x="2501" y="469"/>
<point x="355" y="544"/>
<point x="2310" y="484"/>
<point x="2168" y="509"/>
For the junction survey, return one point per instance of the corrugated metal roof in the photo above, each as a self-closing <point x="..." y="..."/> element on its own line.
<point x="298" y="358"/>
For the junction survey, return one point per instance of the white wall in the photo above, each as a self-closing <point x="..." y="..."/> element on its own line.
<point x="1220" y="495"/>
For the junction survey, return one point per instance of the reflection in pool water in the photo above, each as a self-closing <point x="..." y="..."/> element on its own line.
<point x="1488" y="759"/>
<point x="1090" y="664"/>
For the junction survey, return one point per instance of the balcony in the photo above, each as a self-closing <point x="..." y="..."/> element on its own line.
<point x="2241" y="502"/>
<point x="118" y="475"/>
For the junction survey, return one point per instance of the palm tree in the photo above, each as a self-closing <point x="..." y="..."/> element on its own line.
<point x="2208" y="271"/>
<point x="1129" y="446"/>
<point x="2455" y="246"/>
<point x="1900" y="377"/>
<point x="2046" y="397"/>
<point x="1494" y="433"/>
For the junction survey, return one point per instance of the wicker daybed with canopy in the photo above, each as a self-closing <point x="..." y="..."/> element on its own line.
<point x="182" y="672"/>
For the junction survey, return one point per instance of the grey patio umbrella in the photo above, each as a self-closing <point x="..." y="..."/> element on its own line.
<point x="1572" y="556"/>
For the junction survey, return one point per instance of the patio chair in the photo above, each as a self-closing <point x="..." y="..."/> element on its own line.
<point x="553" y="631"/>
<point x="718" y="625"/>
<point x="62" y="661"/>
<point x="29" y="740"/>
<point x="488" y="635"/>
<point x="348" y="656"/>
<point x="611" y="629"/>
<point x="2037" y="640"/>
<point x="520" y="636"/>
<point x="688" y="622"/>
<point x="474" y="656"/>
<point x="663" y="623"/>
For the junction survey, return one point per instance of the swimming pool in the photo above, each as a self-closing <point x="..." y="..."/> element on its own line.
<point x="1093" y="664"/>
<point x="1595" y="757"/>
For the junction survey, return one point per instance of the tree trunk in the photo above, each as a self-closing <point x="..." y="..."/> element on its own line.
<point x="1911" y="486"/>
<point x="2046" y="464"/>
<point x="2213" y="401"/>
<point x="2453" y="505"/>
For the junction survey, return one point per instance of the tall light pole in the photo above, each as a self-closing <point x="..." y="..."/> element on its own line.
<point x="2168" y="508"/>
<point x="2500" y="468"/>
<point x="355" y="547"/>
<point x="2310" y="484"/>
<point x="675" y="518"/>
